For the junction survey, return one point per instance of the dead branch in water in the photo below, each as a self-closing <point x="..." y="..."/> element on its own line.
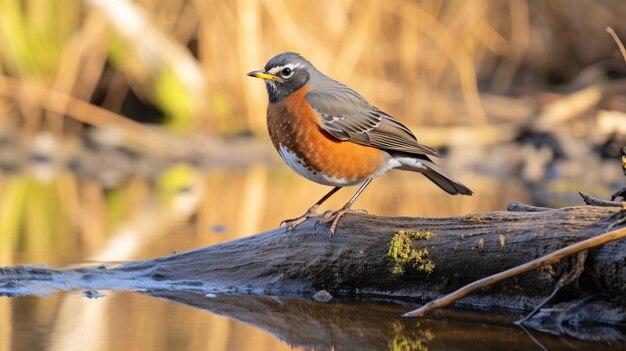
<point x="549" y="259"/>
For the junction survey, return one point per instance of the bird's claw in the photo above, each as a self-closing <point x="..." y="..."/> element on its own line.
<point x="326" y="216"/>
<point x="291" y="224"/>
<point x="333" y="217"/>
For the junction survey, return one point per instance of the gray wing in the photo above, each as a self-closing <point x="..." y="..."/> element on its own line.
<point x="347" y="116"/>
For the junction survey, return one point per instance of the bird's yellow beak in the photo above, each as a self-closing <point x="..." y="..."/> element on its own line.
<point x="262" y="74"/>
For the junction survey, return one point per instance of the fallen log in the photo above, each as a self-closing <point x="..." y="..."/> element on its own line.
<point x="401" y="257"/>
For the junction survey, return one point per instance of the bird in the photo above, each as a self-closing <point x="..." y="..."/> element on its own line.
<point x="331" y="135"/>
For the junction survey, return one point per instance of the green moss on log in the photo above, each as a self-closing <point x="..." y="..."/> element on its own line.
<point x="404" y="251"/>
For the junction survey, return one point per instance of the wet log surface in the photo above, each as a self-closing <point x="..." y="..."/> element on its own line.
<point x="356" y="261"/>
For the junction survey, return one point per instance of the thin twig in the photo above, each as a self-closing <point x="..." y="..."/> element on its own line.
<point x="617" y="41"/>
<point x="550" y="258"/>
<point x="565" y="280"/>
<point x="557" y="288"/>
<point x="537" y="342"/>
<point x="594" y="201"/>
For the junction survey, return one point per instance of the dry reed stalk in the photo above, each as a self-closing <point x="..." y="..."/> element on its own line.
<point x="517" y="47"/>
<point x="137" y="134"/>
<point x="618" y="42"/>
<point x="73" y="68"/>
<point x="410" y="57"/>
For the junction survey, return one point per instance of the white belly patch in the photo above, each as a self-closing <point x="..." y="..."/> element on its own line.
<point x="298" y="165"/>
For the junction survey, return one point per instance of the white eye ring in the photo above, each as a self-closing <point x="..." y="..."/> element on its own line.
<point x="286" y="72"/>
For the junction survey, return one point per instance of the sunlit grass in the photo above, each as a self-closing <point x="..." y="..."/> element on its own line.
<point x="422" y="61"/>
<point x="34" y="34"/>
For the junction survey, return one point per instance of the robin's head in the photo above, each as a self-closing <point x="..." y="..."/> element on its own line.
<point x="284" y="74"/>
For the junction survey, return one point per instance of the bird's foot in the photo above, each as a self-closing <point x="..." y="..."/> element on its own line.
<point x="333" y="217"/>
<point x="294" y="222"/>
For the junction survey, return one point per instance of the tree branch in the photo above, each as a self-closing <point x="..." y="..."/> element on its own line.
<point x="551" y="258"/>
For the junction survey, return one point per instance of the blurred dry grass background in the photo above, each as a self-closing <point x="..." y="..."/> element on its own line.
<point x="473" y="75"/>
<point x="423" y="61"/>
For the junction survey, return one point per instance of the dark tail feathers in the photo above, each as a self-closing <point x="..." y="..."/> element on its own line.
<point x="441" y="178"/>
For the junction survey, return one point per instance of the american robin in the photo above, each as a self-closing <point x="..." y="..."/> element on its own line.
<point x="329" y="134"/>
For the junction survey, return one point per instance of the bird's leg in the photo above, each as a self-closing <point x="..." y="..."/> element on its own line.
<point x="311" y="212"/>
<point x="333" y="217"/>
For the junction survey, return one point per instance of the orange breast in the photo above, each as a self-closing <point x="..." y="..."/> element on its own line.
<point x="293" y="124"/>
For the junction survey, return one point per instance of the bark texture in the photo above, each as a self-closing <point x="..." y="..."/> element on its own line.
<point x="432" y="256"/>
<point x="447" y="254"/>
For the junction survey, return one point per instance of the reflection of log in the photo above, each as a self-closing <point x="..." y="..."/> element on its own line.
<point x="353" y="325"/>
<point x="447" y="253"/>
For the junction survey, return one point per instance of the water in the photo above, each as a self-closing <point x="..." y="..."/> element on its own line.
<point x="66" y="220"/>
<point x="186" y="321"/>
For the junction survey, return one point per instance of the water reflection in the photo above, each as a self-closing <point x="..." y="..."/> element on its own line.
<point x="67" y="219"/>
<point x="359" y="325"/>
<point x="122" y="321"/>
<point x="132" y="321"/>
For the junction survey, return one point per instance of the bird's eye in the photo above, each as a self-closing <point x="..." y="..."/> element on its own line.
<point x="286" y="72"/>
